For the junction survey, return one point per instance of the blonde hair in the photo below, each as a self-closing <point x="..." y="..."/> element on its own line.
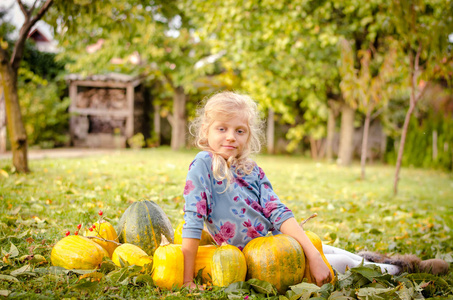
<point x="228" y="104"/>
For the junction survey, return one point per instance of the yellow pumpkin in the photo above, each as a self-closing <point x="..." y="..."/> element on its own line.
<point x="131" y="254"/>
<point x="228" y="265"/>
<point x="314" y="238"/>
<point x="206" y="238"/>
<point x="77" y="252"/>
<point x="106" y="231"/>
<point x="168" y="265"/>
<point x="203" y="261"/>
<point x="278" y="259"/>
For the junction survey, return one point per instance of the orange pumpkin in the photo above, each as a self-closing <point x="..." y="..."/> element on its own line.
<point x="278" y="259"/>
<point x="314" y="238"/>
<point x="206" y="238"/>
<point x="106" y="231"/>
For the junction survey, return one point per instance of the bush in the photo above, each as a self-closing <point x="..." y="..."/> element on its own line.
<point x="44" y="114"/>
<point x="418" y="151"/>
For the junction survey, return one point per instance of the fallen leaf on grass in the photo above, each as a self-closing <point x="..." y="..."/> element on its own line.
<point x="8" y="278"/>
<point x="4" y="173"/>
<point x="94" y="276"/>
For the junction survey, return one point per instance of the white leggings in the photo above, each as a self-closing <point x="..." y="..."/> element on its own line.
<point x="340" y="259"/>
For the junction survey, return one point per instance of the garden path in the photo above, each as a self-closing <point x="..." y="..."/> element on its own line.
<point x="60" y="152"/>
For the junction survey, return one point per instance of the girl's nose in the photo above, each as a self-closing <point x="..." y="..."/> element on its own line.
<point x="231" y="137"/>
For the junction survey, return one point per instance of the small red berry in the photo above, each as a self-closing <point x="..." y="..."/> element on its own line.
<point x="76" y="233"/>
<point x="100" y="213"/>
<point x="79" y="226"/>
<point x="94" y="226"/>
<point x="67" y="233"/>
<point x="90" y="229"/>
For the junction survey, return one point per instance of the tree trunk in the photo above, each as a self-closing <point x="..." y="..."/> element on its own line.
<point x="313" y="148"/>
<point x="414" y="98"/>
<point x="156" y="124"/>
<point x="178" y="119"/>
<point x="15" y="126"/>
<point x="435" y="151"/>
<point x="346" y="135"/>
<point x="366" y="129"/>
<point x="2" y="121"/>
<point x="401" y="147"/>
<point x="330" y="133"/>
<point x="270" y="132"/>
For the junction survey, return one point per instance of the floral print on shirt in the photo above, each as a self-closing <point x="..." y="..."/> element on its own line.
<point x="248" y="209"/>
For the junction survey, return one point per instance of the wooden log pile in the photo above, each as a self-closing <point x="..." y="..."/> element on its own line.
<point x="102" y="99"/>
<point x="107" y="124"/>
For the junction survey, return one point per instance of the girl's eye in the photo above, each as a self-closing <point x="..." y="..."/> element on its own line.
<point x="221" y="129"/>
<point x="241" y="131"/>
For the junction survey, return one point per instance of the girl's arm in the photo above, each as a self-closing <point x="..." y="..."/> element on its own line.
<point x="318" y="267"/>
<point x="189" y="249"/>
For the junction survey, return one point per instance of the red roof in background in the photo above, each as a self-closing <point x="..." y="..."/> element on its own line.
<point x="38" y="36"/>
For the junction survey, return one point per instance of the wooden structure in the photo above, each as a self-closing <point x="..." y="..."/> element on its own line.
<point x="106" y="110"/>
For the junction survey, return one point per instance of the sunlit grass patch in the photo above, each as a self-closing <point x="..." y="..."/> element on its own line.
<point x="37" y="209"/>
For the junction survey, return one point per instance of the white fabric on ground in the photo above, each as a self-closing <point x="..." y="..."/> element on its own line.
<point x="341" y="259"/>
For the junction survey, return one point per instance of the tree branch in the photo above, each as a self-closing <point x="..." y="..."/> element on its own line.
<point x="34" y="5"/>
<point x="24" y="10"/>
<point x="169" y="80"/>
<point x="18" y="51"/>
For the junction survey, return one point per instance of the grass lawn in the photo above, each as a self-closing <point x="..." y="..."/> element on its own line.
<point x="37" y="209"/>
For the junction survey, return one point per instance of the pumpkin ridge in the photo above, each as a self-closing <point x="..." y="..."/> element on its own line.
<point x="153" y="235"/>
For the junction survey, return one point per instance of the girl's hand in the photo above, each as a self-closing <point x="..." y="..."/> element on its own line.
<point x="319" y="270"/>
<point x="192" y="286"/>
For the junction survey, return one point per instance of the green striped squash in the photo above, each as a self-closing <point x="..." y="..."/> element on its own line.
<point x="142" y="224"/>
<point x="278" y="259"/>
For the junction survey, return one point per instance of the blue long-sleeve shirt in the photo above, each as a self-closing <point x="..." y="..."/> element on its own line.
<point x="249" y="208"/>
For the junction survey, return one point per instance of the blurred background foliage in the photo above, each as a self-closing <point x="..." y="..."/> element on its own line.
<point x="287" y="55"/>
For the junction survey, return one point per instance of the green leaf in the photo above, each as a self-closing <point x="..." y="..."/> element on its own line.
<point x="369" y="271"/>
<point x="377" y="293"/>
<point x="262" y="287"/>
<point x="4" y="293"/>
<point x="305" y="287"/>
<point x="124" y="275"/>
<point x="107" y="266"/>
<point x="240" y="287"/>
<point x="25" y="270"/>
<point x="8" y="278"/>
<point x="87" y="284"/>
<point x="375" y="231"/>
<point x="199" y="277"/>
<point x="13" y="252"/>
<point x="143" y="278"/>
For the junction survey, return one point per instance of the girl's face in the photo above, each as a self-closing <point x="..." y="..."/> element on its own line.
<point x="229" y="136"/>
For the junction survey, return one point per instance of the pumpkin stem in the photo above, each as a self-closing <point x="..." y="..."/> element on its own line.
<point x="102" y="239"/>
<point x="164" y="241"/>
<point x="308" y="219"/>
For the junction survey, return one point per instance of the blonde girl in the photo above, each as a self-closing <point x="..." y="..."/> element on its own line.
<point x="228" y="192"/>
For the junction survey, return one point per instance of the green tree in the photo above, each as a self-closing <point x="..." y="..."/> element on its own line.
<point x="169" y="52"/>
<point x="422" y="28"/>
<point x="369" y="87"/>
<point x="285" y="54"/>
<point x="10" y="59"/>
<point x="67" y="16"/>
